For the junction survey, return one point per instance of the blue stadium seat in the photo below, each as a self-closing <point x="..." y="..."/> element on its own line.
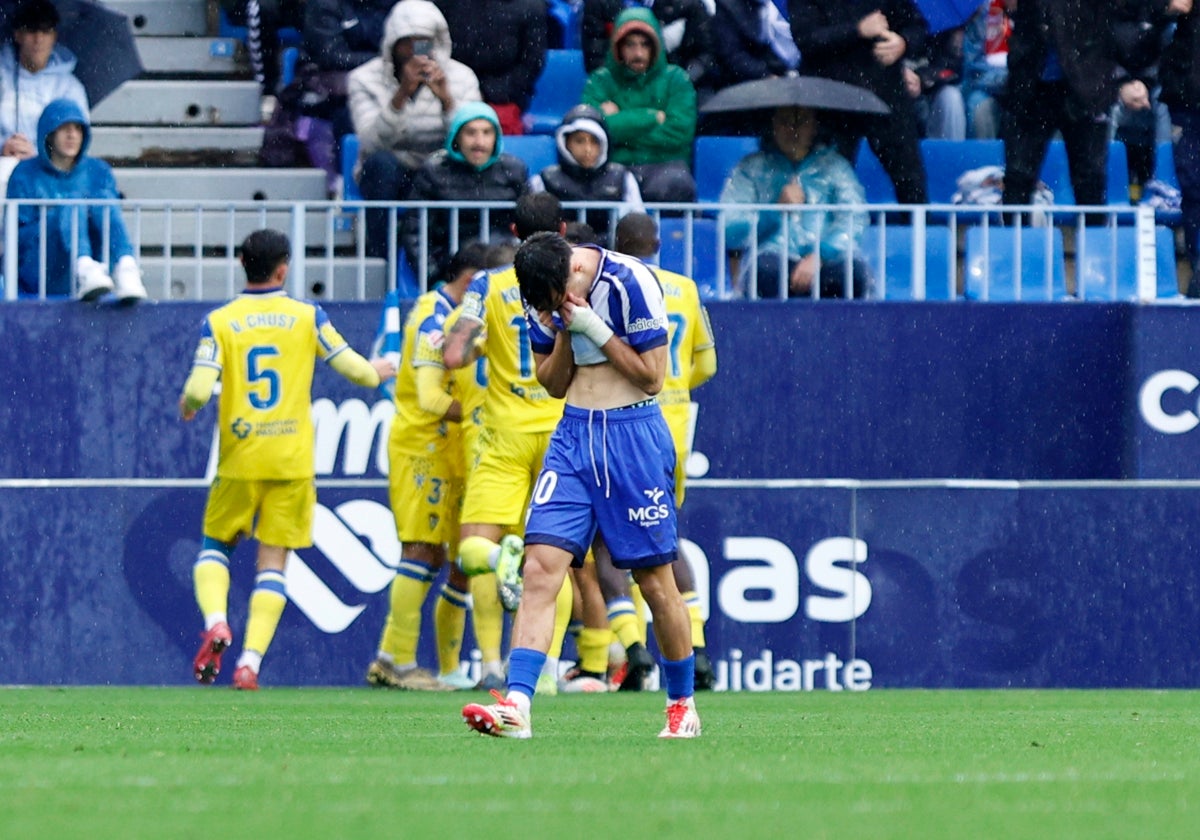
<point x="893" y="274"/>
<point x="672" y="234"/>
<point x="1103" y="248"/>
<point x="1056" y="173"/>
<point x="557" y="90"/>
<point x="288" y="37"/>
<point x="992" y="260"/>
<point x="876" y="183"/>
<point x="537" y="150"/>
<point x="713" y="158"/>
<point x="946" y="160"/>
<point x="566" y="23"/>
<point x="350" y="191"/>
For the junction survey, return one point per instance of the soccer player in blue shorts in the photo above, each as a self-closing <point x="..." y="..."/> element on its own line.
<point x="598" y="332"/>
<point x="262" y="346"/>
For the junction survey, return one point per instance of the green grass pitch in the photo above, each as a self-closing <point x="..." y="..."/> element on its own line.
<point x="101" y="763"/>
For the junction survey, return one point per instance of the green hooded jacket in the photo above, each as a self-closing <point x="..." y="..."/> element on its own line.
<point x="635" y="134"/>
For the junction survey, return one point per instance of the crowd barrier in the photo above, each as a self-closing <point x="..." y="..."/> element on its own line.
<point x="882" y="496"/>
<point x="927" y="252"/>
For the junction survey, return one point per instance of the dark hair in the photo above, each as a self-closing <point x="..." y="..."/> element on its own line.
<point x="637" y="235"/>
<point x="542" y="264"/>
<point x="262" y="252"/>
<point x="581" y="233"/>
<point x="539" y="211"/>
<point x="36" y="16"/>
<point x="472" y="257"/>
<point x="500" y="253"/>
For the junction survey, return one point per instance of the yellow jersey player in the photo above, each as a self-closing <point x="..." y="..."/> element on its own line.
<point x="262" y="346"/>
<point x="518" y="417"/>
<point x="425" y="484"/>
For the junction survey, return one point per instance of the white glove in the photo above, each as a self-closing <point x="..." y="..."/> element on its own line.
<point x="584" y="320"/>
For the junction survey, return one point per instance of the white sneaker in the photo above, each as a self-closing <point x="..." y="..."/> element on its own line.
<point x="456" y="680"/>
<point x="127" y="278"/>
<point x="584" y="685"/>
<point x="502" y="719"/>
<point x="682" y="720"/>
<point x="92" y="279"/>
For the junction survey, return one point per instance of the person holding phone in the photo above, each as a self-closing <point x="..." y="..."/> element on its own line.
<point x="401" y="104"/>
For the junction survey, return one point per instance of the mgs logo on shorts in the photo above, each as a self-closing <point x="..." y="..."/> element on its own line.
<point x="654" y="511"/>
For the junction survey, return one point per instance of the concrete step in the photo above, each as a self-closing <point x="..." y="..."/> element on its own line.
<point x="225" y="229"/>
<point x="164" y="17"/>
<point x="194" y="56"/>
<point x="134" y="142"/>
<point x="218" y="278"/>
<point x="212" y="184"/>
<point x="175" y="102"/>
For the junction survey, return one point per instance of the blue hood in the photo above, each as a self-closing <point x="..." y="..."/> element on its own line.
<point x="464" y="114"/>
<point x="57" y="113"/>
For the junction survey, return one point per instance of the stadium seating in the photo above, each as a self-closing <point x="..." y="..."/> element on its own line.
<point x="1056" y="173"/>
<point x="537" y="150"/>
<point x="714" y="157"/>
<point x="1107" y="264"/>
<point x="350" y="190"/>
<point x="1004" y="264"/>
<point x="672" y="255"/>
<point x="565" y="23"/>
<point x="557" y="90"/>
<point x="889" y="252"/>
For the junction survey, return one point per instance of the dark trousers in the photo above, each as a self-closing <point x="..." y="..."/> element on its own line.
<point x="382" y="178"/>
<point x="1187" y="168"/>
<point x="1030" y="127"/>
<point x="832" y="278"/>
<point x="895" y="140"/>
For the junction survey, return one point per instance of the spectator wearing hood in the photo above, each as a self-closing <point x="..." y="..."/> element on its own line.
<point x="471" y="167"/>
<point x="687" y="32"/>
<point x="504" y="42"/>
<point x="401" y="104"/>
<point x="62" y="169"/>
<point x="34" y="71"/>
<point x="649" y="107"/>
<point x="584" y="172"/>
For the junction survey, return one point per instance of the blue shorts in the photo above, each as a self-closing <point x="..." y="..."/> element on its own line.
<point x="613" y="470"/>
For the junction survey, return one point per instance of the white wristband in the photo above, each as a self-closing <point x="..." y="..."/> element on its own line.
<point x="584" y="320"/>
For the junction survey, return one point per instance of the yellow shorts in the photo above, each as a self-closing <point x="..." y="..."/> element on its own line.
<point x="498" y="488"/>
<point x="283" y="509"/>
<point x="426" y="496"/>
<point x="681" y="457"/>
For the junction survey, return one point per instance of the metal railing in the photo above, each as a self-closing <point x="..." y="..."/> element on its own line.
<point x="187" y="249"/>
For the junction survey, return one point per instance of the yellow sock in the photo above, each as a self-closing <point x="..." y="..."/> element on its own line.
<point x="487" y="618"/>
<point x="475" y="555"/>
<point x="210" y="579"/>
<point x="639" y="609"/>
<point x="266" y="606"/>
<point x="593" y="649"/>
<point x="623" y="622"/>
<point x="693" y="606"/>
<point x="449" y="620"/>
<point x="562" y="617"/>
<point x="403" y="628"/>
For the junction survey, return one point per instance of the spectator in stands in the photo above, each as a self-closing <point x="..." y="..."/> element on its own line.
<point x="584" y="172"/>
<point x="985" y="69"/>
<point x="504" y="42"/>
<point x="864" y="42"/>
<point x="751" y="40"/>
<point x="471" y="167"/>
<point x="340" y="35"/>
<point x="1180" y="74"/>
<point x="933" y="80"/>
<point x="34" y="71"/>
<point x="1141" y="32"/>
<point x="263" y="19"/>
<point x="795" y="168"/>
<point x="401" y="103"/>
<point x="686" y="33"/>
<point x="62" y="169"/>
<point x="649" y="106"/>
<point x="1063" y="76"/>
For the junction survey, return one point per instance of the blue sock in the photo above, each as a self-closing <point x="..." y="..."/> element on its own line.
<point x="524" y="666"/>
<point x="680" y="676"/>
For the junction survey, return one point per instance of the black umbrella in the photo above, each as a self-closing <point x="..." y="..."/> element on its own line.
<point x="800" y="91"/>
<point x="102" y="41"/>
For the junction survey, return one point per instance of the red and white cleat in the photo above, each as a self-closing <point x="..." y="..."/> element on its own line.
<point x="207" y="663"/>
<point x="682" y="720"/>
<point x="502" y="719"/>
